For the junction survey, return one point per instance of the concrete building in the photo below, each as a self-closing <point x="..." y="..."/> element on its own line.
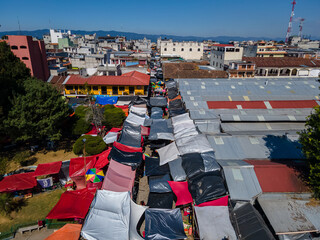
<point x="241" y="69"/>
<point x="56" y="34"/>
<point x="31" y="53"/>
<point x="223" y="54"/>
<point x="64" y="42"/>
<point x="270" y="49"/>
<point x="185" y="50"/>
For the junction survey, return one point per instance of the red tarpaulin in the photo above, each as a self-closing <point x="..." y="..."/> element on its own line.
<point x="68" y="231"/>
<point x="180" y="189"/>
<point x="48" y="168"/>
<point x="94" y="131"/>
<point x="115" y="129"/>
<point x="72" y="204"/>
<point x="218" y="202"/>
<point x="77" y="170"/>
<point x="102" y="159"/>
<point x="126" y="148"/>
<point x="18" y="182"/>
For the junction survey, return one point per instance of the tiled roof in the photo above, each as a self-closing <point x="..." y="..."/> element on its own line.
<point x="282" y="62"/>
<point x="190" y="70"/>
<point x="133" y="78"/>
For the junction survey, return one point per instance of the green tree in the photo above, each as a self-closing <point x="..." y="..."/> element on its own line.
<point x="37" y="114"/>
<point x="81" y="126"/>
<point x="8" y="204"/>
<point x="310" y="141"/>
<point x="94" y="145"/>
<point x="113" y="117"/>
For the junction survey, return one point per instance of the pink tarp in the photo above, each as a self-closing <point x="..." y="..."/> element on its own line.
<point x="218" y="202"/>
<point x="18" y="182"/>
<point x="119" y="177"/>
<point x="48" y="168"/>
<point x="180" y="189"/>
<point x="72" y="204"/>
<point x="77" y="170"/>
<point x="145" y="131"/>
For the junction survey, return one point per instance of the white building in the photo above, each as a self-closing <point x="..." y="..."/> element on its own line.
<point x="223" y="54"/>
<point x="185" y="50"/>
<point x="56" y="34"/>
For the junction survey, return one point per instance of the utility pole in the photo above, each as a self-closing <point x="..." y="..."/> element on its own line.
<point x="290" y="21"/>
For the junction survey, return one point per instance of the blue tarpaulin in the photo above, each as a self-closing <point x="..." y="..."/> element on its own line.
<point x="103" y="100"/>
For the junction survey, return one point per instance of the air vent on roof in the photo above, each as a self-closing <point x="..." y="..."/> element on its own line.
<point x="195" y="103"/>
<point x="261" y="118"/>
<point x="186" y="83"/>
<point x="202" y="111"/>
<point x="188" y="92"/>
<point x="218" y="140"/>
<point x="203" y="87"/>
<point x="192" y="98"/>
<point x="216" y="83"/>
<point x="254" y="140"/>
<point x="236" y="117"/>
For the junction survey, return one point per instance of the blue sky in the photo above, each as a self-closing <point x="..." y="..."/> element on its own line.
<point x="247" y="18"/>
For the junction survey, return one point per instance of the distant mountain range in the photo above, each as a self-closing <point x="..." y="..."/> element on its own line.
<point x="153" y="37"/>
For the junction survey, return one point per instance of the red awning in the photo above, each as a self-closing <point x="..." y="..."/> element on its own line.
<point x="102" y="159"/>
<point x="72" y="204"/>
<point x="48" y="168"/>
<point x="77" y="170"/>
<point x="126" y="148"/>
<point x="18" y="182"/>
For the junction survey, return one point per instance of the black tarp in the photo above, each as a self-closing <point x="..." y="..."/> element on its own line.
<point x="132" y="159"/>
<point x="176" y="171"/>
<point x="164" y="224"/>
<point x="158" y="102"/>
<point x="160" y="200"/>
<point x="64" y="172"/>
<point x="206" y="187"/>
<point x="159" y="184"/>
<point x="171" y="84"/>
<point x="198" y="163"/>
<point x="250" y="224"/>
<point x="153" y="167"/>
<point x="173" y="93"/>
<point x="158" y="144"/>
<point x="139" y="101"/>
<point x="130" y="135"/>
<point x="156" y="113"/>
<point x="176" y="104"/>
<point x="176" y="112"/>
<point x="160" y="130"/>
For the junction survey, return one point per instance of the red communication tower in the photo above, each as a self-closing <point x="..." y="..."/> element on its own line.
<point x="300" y="26"/>
<point x="290" y="21"/>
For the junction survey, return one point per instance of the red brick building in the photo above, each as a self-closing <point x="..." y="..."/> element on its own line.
<point x="32" y="53"/>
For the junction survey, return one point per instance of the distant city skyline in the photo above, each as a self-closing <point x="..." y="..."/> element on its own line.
<point x="245" y="18"/>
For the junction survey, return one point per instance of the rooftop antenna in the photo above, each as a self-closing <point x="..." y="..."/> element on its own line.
<point x="290" y="21"/>
<point x="300" y="27"/>
<point x="19" y="25"/>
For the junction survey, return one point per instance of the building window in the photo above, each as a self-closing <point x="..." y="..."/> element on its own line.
<point x="138" y="87"/>
<point x="121" y="89"/>
<point x="182" y="49"/>
<point x="14" y="47"/>
<point x="220" y="65"/>
<point x="165" y="49"/>
<point x="190" y="49"/>
<point x="216" y="64"/>
<point x="23" y="47"/>
<point x="25" y="58"/>
<point x="95" y="88"/>
<point x="198" y="49"/>
<point x="69" y="88"/>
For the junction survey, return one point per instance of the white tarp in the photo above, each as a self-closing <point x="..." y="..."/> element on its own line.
<point x="135" y="119"/>
<point x="191" y="144"/>
<point x="136" y="212"/>
<point x="180" y="118"/>
<point x="214" y="223"/>
<point x="108" y="217"/>
<point x="186" y="132"/>
<point x="110" y="137"/>
<point x="177" y="127"/>
<point x="168" y="153"/>
<point x="138" y="110"/>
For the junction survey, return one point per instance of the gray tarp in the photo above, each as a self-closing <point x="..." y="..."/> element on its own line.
<point x="138" y="110"/>
<point x="160" y="130"/>
<point x="64" y="172"/>
<point x="158" y="102"/>
<point x="191" y="144"/>
<point x="214" y="223"/>
<point x="110" y="137"/>
<point x="131" y="135"/>
<point x="168" y="153"/>
<point x="176" y="170"/>
<point x="156" y="113"/>
<point x="180" y="118"/>
<point x="135" y="119"/>
<point x="109" y="216"/>
<point x="136" y="213"/>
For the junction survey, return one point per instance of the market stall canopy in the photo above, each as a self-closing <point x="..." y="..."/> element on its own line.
<point x="153" y="167"/>
<point x="72" y="204"/>
<point x="18" y="182"/>
<point x="108" y="217"/>
<point x="159" y="184"/>
<point x="181" y="191"/>
<point x="158" y="102"/>
<point x="168" y="153"/>
<point x="131" y="134"/>
<point x="160" y="130"/>
<point x="102" y="159"/>
<point x="198" y="143"/>
<point x="78" y="167"/>
<point x="136" y="212"/>
<point x="48" y="169"/>
<point x="68" y="231"/>
<point x="160" y="200"/>
<point x="176" y="171"/>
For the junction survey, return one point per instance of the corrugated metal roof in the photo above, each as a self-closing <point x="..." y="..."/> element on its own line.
<point x="278" y="177"/>
<point x="263" y="118"/>
<point x="208" y="126"/>
<point x="291" y="213"/>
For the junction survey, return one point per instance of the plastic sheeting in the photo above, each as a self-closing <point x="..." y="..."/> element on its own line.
<point x="110" y="137"/>
<point x="214" y="223"/>
<point x="68" y="231"/>
<point x="66" y="207"/>
<point x="78" y="167"/>
<point x="176" y="104"/>
<point x="48" y="168"/>
<point x="217" y="202"/>
<point x="129" y="158"/>
<point x="64" y="172"/>
<point x="158" y="102"/>
<point x="181" y="191"/>
<point x="176" y="171"/>
<point x="160" y="200"/>
<point x="136" y="213"/>
<point x="164" y="224"/>
<point x="18" y="182"/>
<point x="103" y="100"/>
<point x="197" y="163"/>
<point x="109" y="216"/>
<point x="159" y="184"/>
<point x="206" y="187"/>
<point x="156" y="113"/>
<point x="138" y="110"/>
<point x="119" y="178"/>
<point x="153" y="168"/>
<point x="180" y="118"/>
<point x="250" y="224"/>
<point x="131" y="135"/>
<point x="160" y="130"/>
<point x="168" y="153"/>
<point x="197" y="143"/>
<point x="135" y="119"/>
<point x="176" y="112"/>
<point x="102" y="159"/>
